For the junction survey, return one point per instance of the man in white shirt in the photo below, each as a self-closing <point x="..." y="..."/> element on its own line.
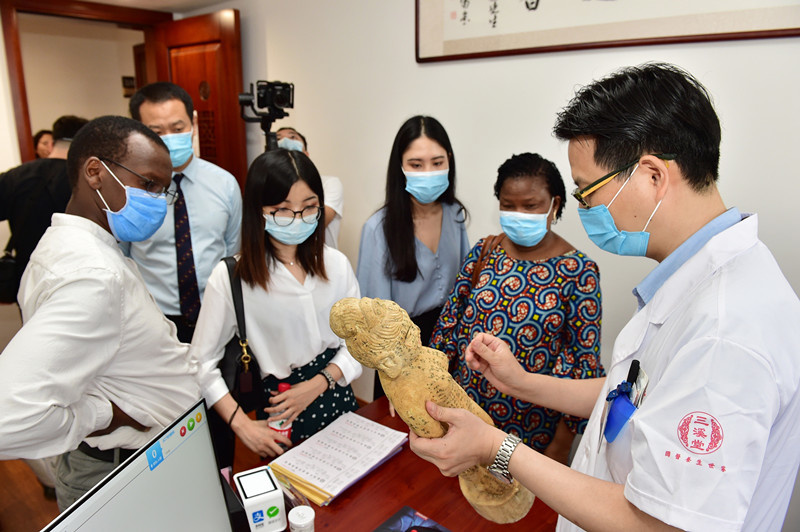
<point x="695" y="426"/>
<point x="177" y="260"/>
<point x="96" y="364"/>
<point x="289" y="138"/>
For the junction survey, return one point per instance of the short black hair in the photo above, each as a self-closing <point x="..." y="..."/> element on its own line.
<point x="303" y="137"/>
<point x="533" y="165"/>
<point x="67" y="126"/>
<point x="160" y="91"/>
<point x="105" y="138"/>
<point x="654" y="108"/>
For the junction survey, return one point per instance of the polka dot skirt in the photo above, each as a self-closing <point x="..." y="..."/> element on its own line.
<point x="324" y="409"/>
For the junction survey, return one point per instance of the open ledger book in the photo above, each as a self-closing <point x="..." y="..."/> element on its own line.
<point x="339" y="455"/>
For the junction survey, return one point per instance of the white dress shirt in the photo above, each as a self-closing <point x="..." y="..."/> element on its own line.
<point x="287" y="326"/>
<point x="214" y="204"/>
<point x="334" y="198"/>
<point x="92" y="335"/>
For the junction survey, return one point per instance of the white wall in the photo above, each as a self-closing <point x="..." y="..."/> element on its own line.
<point x="356" y="81"/>
<point x="74" y="67"/>
<point x="9" y="148"/>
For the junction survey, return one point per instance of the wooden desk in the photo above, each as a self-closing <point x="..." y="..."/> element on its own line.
<point x="408" y="480"/>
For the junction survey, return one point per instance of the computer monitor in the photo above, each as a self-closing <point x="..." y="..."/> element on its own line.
<point x="172" y="483"/>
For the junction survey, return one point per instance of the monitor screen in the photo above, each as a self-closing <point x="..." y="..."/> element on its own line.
<point x="172" y="483"/>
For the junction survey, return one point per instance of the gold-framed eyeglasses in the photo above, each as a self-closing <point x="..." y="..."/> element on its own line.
<point x="284" y="217"/>
<point x="581" y="194"/>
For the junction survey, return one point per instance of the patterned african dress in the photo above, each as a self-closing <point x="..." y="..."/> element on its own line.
<point x="548" y="311"/>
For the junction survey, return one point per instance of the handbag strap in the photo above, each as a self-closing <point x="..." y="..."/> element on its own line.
<point x="236" y="292"/>
<point x="489" y="243"/>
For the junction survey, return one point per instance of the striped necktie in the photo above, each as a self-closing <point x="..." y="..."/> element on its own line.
<point x="187" y="276"/>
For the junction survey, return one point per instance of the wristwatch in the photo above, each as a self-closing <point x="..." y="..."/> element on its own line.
<point x="331" y="381"/>
<point x="499" y="467"/>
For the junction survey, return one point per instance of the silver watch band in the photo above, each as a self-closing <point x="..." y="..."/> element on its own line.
<point x="500" y="465"/>
<point x="331" y="381"/>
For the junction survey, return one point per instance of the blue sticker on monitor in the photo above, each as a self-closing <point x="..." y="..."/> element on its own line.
<point x="258" y="516"/>
<point x="155" y="455"/>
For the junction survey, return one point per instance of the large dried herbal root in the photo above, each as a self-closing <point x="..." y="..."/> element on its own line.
<point x="380" y="335"/>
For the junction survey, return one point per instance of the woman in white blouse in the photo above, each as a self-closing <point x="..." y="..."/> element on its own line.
<point x="290" y="281"/>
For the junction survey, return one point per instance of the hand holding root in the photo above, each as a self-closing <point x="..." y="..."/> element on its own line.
<point x="469" y="441"/>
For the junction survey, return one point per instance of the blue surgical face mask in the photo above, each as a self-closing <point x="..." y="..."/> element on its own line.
<point x="426" y="187"/>
<point x="180" y="147"/>
<point x="295" y="233"/>
<point x="603" y="231"/>
<point x="139" y="218"/>
<point x="523" y="228"/>
<point x="291" y="144"/>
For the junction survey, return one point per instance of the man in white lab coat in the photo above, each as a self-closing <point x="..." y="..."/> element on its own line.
<point x="695" y="426"/>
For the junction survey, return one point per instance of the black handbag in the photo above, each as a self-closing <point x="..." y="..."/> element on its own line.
<point x="239" y="367"/>
<point x="9" y="280"/>
<point x="9" y="275"/>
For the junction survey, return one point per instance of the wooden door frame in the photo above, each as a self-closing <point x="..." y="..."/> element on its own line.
<point x="132" y="18"/>
<point x="223" y="27"/>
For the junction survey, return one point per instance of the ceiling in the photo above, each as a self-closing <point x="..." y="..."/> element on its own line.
<point x="174" y="6"/>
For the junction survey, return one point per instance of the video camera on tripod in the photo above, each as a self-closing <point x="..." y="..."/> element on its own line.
<point x="275" y="97"/>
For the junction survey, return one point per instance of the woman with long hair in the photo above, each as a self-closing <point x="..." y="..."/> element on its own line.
<point x="290" y="281"/>
<point x="412" y="247"/>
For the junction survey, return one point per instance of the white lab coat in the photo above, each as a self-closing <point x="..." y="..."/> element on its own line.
<point x="715" y="444"/>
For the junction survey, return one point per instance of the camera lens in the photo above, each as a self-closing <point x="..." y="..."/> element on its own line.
<point x="281" y="98"/>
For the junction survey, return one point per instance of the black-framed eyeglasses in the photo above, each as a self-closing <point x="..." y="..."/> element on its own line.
<point x="284" y="217"/>
<point x="581" y="194"/>
<point x="149" y="186"/>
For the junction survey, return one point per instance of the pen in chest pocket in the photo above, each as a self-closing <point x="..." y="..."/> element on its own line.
<point x="622" y="402"/>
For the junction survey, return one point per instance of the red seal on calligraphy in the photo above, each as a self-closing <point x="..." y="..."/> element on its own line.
<point x="700" y="433"/>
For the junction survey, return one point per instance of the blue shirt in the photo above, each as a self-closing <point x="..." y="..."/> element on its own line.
<point x="437" y="271"/>
<point x="650" y="284"/>
<point x="214" y="204"/>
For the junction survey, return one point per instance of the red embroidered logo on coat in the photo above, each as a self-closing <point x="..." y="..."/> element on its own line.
<point x="700" y="433"/>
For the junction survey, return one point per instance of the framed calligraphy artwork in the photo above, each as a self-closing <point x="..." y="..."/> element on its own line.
<point x="468" y="29"/>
